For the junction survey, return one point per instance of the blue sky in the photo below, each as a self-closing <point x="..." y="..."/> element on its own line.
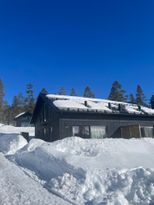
<point x="77" y="43"/>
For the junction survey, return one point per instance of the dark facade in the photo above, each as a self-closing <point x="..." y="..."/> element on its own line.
<point x="52" y="123"/>
<point x="23" y="119"/>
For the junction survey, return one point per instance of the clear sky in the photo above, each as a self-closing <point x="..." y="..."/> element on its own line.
<point x="77" y="43"/>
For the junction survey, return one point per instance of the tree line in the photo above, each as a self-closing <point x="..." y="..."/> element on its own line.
<point x="21" y="103"/>
<point x="117" y="93"/>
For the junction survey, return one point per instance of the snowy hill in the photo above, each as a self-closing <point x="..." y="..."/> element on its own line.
<point x="76" y="171"/>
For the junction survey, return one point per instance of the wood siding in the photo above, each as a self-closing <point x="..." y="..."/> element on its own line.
<point x="112" y="126"/>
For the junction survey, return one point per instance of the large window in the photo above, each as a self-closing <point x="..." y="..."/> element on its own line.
<point x="81" y="131"/>
<point x="98" y="132"/>
<point x="147" y="132"/>
<point x="85" y="131"/>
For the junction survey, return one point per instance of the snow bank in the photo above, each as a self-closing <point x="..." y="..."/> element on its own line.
<point x="10" y="143"/>
<point x="17" y="188"/>
<point x="94" y="171"/>
<point x="11" y="129"/>
<point x="122" y="187"/>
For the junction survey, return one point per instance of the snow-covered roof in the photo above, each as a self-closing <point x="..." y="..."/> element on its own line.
<point x="20" y="115"/>
<point x="75" y="103"/>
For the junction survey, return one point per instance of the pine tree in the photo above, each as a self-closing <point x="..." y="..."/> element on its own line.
<point x="21" y="101"/>
<point x="62" y="91"/>
<point x="117" y="93"/>
<point x="152" y="101"/>
<point x="30" y="101"/>
<point x="132" y="99"/>
<point x="44" y="91"/>
<point x="15" y="108"/>
<point x="140" y="97"/>
<point x="88" y="93"/>
<point x="73" y="92"/>
<point x="7" y="114"/>
<point x="18" y="105"/>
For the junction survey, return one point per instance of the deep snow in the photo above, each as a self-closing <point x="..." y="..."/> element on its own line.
<point x="17" y="188"/>
<point x="10" y="143"/>
<point x="108" y="171"/>
<point x="75" y="171"/>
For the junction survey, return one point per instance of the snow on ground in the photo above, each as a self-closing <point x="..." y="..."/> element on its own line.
<point x="17" y="188"/>
<point x="10" y="143"/>
<point x="12" y="129"/>
<point x="75" y="171"/>
<point x="94" y="172"/>
<point x="10" y="138"/>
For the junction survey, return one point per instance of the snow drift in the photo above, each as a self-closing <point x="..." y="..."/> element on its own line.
<point x="108" y="171"/>
<point x="17" y="188"/>
<point x="10" y="143"/>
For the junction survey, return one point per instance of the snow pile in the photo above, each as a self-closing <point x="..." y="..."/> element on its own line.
<point x="92" y="171"/>
<point x="17" y="188"/>
<point x="122" y="187"/>
<point x="10" y="143"/>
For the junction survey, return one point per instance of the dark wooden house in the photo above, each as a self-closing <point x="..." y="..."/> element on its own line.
<point x="56" y="117"/>
<point x="23" y="119"/>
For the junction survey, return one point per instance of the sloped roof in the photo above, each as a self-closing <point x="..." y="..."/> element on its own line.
<point x="22" y="114"/>
<point x="74" y="103"/>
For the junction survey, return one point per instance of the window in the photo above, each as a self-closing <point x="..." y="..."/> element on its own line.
<point x="81" y="131"/>
<point x="98" y="132"/>
<point x="75" y="130"/>
<point x="84" y="131"/>
<point x="147" y="132"/>
<point x="44" y="131"/>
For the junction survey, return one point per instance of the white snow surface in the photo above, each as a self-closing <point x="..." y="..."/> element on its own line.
<point x="75" y="171"/>
<point x="93" y="172"/>
<point x="17" y="188"/>
<point x="11" y="143"/>
<point x="76" y="103"/>
<point x="9" y="129"/>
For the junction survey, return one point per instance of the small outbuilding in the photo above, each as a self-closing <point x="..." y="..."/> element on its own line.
<point x="56" y="117"/>
<point x="23" y="119"/>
